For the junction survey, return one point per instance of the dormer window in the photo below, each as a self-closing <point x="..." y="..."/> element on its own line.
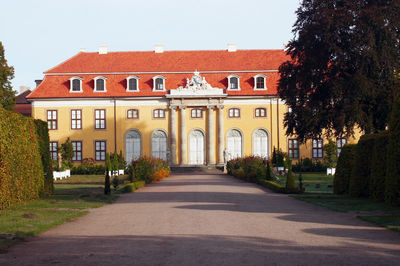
<point x="75" y="84"/>
<point x="233" y="82"/>
<point x="259" y="82"/>
<point x="159" y="83"/>
<point x="100" y="84"/>
<point x="132" y="83"/>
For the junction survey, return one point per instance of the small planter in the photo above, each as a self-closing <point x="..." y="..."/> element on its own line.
<point x="61" y="175"/>
<point x="330" y="171"/>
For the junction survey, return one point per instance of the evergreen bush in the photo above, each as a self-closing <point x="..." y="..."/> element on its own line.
<point x="344" y="169"/>
<point x="392" y="181"/>
<point x="378" y="167"/>
<point x="330" y="158"/>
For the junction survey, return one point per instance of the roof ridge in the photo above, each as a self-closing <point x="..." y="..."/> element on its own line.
<point x="66" y="60"/>
<point x="167" y="51"/>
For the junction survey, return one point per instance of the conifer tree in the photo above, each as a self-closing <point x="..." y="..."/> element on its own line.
<point x="7" y="95"/>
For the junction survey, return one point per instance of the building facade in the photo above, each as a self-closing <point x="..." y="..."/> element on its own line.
<point x="187" y="107"/>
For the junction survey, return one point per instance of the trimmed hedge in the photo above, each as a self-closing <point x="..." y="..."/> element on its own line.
<point x="359" y="181"/>
<point x="44" y="143"/>
<point x="344" y="169"/>
<point x="271" y="185"/>
<point x="378" y="167"/>
<point x="21" y="169"/>
<point x="131" y="187"/>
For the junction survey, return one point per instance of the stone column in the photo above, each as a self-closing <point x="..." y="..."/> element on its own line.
<point x="211" y="136"/>
<point x="173" y="135"/>
<point x="183" y="136"/>
<point x="220" y="135"/>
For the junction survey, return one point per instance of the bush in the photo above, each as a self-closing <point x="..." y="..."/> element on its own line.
<point x="307" y="165"/>
<point x="21" y="169"/>
<point x="290" y="185"/>
<point x="330" y="158"/>
<point x="359" y="181"/>
<point x="378" y="167"/>
<point x="67" y="153"/>
<point x="88" y="169"/>
<point x="248" y="168"/>
<point x="44" y="142"/>
<point x="392" y="182"/>
<point x="149" y="169"/>
<point x="344" y="169"/>
<point x="131" y="187"/>
<point x="271" y="185"/>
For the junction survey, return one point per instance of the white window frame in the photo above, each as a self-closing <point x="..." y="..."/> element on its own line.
<point x="229" y="82"/>
<point x="71" y="84"/>
<point x="154" y="82"/>
<point x="137" y="84"/>
<point x="95" y="83"/>
<point x="255" y="82"/>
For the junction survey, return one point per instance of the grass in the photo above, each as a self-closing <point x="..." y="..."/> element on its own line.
<point x="87" y="179"/>
<point x="68" y="202"/>
<point x="312" y="182"/>
<point x="390" y="222"/>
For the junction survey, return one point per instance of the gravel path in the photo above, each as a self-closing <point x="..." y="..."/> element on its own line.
<point x="209" y="220"/>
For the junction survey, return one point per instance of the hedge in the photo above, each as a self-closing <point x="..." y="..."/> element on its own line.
<point x="344" y="169"/>
<point x="131" y="187"/>
<point x="359" y="181"/>
<point x="148" y="169"/>
<point x="44" y="143"/>
<point x="271" y="185"/>
<point x="378" y="167"/>
<point x="392" y="182"/>
<point x="21" y="170"/>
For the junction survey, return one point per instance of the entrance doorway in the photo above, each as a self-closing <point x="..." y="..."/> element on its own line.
<point x="196" y="147"/>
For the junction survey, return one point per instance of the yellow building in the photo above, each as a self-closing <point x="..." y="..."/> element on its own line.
<point x="187" y="107"/>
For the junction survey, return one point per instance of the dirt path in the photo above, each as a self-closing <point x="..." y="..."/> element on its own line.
<point x="209" y="220"/>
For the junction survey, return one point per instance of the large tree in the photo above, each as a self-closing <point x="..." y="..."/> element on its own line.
<point x="344" y="59"/>
<point x="7" y="95"/>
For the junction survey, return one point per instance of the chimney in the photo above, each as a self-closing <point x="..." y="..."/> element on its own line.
<point x="159" y="48"/>
<point x="23" y="89"/>
<point x="82" y="50"/>
<point x="103" y="49"/>
<point x="38" y="81"/>
<point x="232" y="47"/>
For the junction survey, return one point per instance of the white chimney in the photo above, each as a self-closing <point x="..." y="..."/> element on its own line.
<point x="23" y="89"/>
<point x="82" y="50"/>
<point x="159" y="48"/>
<point x="232" y="47"/>
<point x="103" y="49"/>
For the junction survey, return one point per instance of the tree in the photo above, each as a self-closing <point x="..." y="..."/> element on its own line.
<point x="7" y="95"/>
<point x="330" y="158"/>
<point x="341" y="72"/>
<point x="67" y="153"/>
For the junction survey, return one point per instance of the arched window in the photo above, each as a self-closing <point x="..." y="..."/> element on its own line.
<point x="259" y="82"/>
<point x="100" y="84"/>
<point x="133" y="145"/>
<point x="260" y="143"/>
<point x="158" y="83"/>
<point x="75" y="84"/>
<point x="234" y="144"/>
<point x="233" y="82"/>
<point x="159" y="144"/>
<point x="132" y="83"/>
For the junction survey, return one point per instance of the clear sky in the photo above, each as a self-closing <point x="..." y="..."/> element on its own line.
<point x="39" y="34"/>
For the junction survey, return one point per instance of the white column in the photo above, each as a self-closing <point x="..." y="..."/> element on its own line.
<point x="173" y="135"/>
<point x="183" y="136"/>
<point x="220" y="135"/>
<point x="211" y="136"/>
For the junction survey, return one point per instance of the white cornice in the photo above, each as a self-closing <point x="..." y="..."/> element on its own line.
<point x="158" y="73"/>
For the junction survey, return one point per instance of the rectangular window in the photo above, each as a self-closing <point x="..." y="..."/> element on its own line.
<point x="132" y="114"/>
<point x="100" y="118"/>
<point x="293" y="148"/>
<point x="52" y="119"/>
<point x="100" y="150"/>
<point x="53" y="150"/>
<point x="76" y="119"/>
<point x="158" y="113"/>
<point x="132" y="84"/>
<point x="234" y="112"/>
<point x="77" y="150"/>
<point x="197" y="113"/>
<point x="340" y="142"/>
<point x="261" y="112"/>
<point x="317" y="148"/>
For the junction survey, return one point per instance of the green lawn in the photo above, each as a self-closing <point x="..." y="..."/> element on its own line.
<point x="68" y="202"/>
<point x="86" y="179"/>
<point x="312" y="182"/>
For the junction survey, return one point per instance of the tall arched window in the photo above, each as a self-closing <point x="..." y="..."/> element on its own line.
<point x="260" y="143"/>
<point x="133" y="145"/>
<point x="234" y="144"/>
<point x="159" y="144"/>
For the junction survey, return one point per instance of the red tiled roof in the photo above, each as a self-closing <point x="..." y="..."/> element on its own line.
<point x="113" y="66"/>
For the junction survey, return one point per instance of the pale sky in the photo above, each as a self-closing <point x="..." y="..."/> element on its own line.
<point x="39" y="34"/>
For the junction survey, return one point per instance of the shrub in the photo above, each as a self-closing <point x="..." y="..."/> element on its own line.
<point x="149" y="169"/>
<point x="67" y="153"/>
<point x="271" y="185"/>
<point x="392" y="182"/>
<point x="378" y="167"/>
<point x="359" y="181"/>
<point x="21" y="169"/>
<point x="131" y="187"/>
<point x="330" y="158"/>
<point x="290" y="185"/>
<point x="307" y="165"/>
<point x="248" y="168"/>
<point x="344" y="169"/>
<point x="43" y="141"/>
<point x="87" y="169"/>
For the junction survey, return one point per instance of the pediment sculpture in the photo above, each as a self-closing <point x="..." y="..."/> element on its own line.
<point x="197" y="85"/>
